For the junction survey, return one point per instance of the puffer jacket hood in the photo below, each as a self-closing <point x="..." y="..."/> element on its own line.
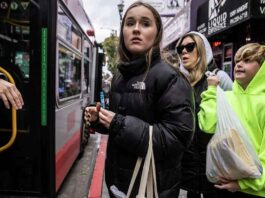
<point x="256" y="85"/>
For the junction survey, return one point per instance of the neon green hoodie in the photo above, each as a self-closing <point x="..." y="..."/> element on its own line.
<point x="249" y="105"/>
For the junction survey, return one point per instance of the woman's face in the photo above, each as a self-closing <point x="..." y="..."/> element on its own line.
<point x="187" y="51"/>
<point x="139" y="30"/>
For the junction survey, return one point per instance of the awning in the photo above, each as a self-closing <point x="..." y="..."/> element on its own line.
<point x="176" y="27"/>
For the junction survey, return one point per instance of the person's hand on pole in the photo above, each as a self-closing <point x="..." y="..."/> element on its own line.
<point x="10" y="94"/>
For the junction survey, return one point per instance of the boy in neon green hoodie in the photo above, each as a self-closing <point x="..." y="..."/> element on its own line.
<point x="247" y="99"/>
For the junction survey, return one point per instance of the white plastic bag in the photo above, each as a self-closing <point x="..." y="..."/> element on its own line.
<point x="230" y="153"/>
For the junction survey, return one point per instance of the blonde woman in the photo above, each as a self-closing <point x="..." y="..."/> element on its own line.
<point x="196" y="58"/>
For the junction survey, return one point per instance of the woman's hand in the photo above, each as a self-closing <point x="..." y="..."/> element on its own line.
<point x="213" y="80"/>
<point x="92" y="114"/>
<point x="105" y="117"/>
<point x="229" y="185"/>
<point x="9" y="93"/>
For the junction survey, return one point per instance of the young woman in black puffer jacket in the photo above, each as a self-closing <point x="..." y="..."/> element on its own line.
<point x="145" y="91"/>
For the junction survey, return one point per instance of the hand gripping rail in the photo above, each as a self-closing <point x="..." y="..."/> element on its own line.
<point x="14" y="117"/>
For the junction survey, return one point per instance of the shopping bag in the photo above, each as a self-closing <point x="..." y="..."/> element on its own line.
<point x="148" y="184"/>
<point x="230" y="153"/>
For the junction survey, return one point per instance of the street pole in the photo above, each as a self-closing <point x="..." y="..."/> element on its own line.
<point x="120" y="9"/>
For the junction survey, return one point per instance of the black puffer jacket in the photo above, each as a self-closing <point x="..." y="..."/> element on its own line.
<point x="165" y="100"/>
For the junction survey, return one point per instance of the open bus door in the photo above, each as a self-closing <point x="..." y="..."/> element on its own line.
<point x="45" y="48"/>
<point x="27" y="166"/>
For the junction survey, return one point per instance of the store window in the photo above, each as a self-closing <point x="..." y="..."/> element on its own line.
<point x="228" y="59"/>
<point x="217" y="53"/>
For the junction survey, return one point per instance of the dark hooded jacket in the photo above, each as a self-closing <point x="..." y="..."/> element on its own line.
<point x="161" y="97"/>
<point x="194" y="159"/>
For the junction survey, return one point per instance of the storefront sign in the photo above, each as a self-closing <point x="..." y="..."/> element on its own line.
<point x="258" y="8"/>
<point x="175" y="28"/>
<point x="166" y="7"/>
<point x="217" y="15"/>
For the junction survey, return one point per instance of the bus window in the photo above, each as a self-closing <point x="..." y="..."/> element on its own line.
<point x="68" y="31"/>
<point x="87" y="62"/>
<point x="69" y="65"/>
<point x="87" y="47"/>
<point x="76" y="39"/>
<point x="86" y="76"/>
<point x="64" y="26"/>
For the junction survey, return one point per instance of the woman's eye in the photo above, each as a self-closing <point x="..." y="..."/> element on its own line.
<point x="146" y="24"/>
<point x="129" y="23"/>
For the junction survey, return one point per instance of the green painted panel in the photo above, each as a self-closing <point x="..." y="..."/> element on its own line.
<point x="44" y="45"/>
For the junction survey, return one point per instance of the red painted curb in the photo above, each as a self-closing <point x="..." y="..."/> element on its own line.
<point x="95" y="190"/>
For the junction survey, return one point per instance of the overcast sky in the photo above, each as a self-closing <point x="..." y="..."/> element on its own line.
<point x="104" y="16"/>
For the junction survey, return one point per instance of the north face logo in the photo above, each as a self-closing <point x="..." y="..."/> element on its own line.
<point x="139" y="85"/>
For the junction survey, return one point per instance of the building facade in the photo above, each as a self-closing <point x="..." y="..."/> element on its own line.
<point x="228" y="25"/>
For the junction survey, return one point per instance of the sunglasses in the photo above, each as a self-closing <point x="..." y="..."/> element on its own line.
<point x="189" y="48"/>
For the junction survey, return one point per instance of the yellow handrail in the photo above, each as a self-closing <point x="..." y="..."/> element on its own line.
<point x="14" y="116"/>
